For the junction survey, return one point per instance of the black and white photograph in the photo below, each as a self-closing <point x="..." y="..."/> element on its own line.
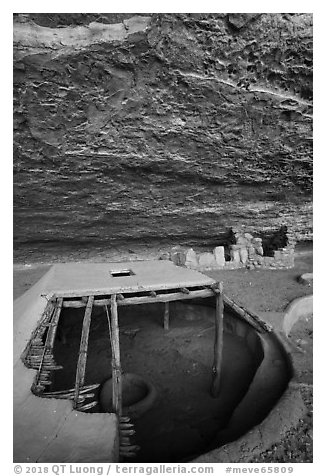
<point x="162" y="239"/>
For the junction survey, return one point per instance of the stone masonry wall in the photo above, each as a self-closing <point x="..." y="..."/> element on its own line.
<point x="246" y="251"/>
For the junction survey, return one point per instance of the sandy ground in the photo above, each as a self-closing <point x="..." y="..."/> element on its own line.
<point x="266" y="292"/>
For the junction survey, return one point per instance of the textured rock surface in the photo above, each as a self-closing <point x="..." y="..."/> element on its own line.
<point x="160" y="127"/>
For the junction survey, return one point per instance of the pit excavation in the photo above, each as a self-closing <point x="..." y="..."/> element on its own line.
<point x="140" y="362"/>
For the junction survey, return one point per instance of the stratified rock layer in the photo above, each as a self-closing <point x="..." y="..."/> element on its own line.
<point x="161" y="127"/>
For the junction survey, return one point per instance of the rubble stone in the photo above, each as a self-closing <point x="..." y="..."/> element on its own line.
<point x="277" y="255"/>
<point x="219" y="255"/>
<point x="207" y="260"/>
<point x="248" y="236"/>
<point x="241" y="240"/>
<point x="243" y="255"/>
<point x="191" y="260"/>
<point x="235" y="255"/>
<point x="178" y="256"/>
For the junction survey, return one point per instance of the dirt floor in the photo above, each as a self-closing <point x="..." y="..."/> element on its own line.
<point x="266" y="292"/>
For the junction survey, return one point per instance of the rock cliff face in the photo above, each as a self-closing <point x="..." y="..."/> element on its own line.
<point x="163" y="127"/>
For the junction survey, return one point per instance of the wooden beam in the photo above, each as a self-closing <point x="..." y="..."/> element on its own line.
<point x="185" y="290"/>
<point x="130" y="290"/>
<point x="87" y="406"/>
<point x="248" y="316"/>
<point x="71" y="391"/>
<point x="74" y="304"/>
<point x="127" y="301"/>
<point x="218" y="343"/>
<point x="116" y="364"/>
<point x="82" y="357"/>
<point x="201" y="293"/>
<point x="166" y="316"/>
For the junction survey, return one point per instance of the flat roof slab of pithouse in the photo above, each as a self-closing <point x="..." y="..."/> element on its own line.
<point x="122" y="277"/>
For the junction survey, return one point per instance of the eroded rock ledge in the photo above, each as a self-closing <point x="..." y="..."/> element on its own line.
<point x="158" y="127"/>
<point x="31" y="39"/>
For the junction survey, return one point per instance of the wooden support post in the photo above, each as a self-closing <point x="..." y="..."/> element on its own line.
<point x="166" y="316"/>
<point x="116" y="364"/>
<point x="81" y="365"/>
<point x="218" y="342"/>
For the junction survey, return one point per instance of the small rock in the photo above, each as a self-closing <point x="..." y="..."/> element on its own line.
<point x="306" y="278"/>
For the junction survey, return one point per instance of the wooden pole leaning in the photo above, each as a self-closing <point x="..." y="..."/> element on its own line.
<point x="82" y="357"/>
<point x="45" y="359"/>
<point x="116" y="363"/>
<point x="166" y="321"/>
<point x="218" y="342"/>
<point x="54" y="324"/>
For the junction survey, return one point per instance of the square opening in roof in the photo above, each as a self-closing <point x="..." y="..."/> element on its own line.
<point x="121" y="273"/>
